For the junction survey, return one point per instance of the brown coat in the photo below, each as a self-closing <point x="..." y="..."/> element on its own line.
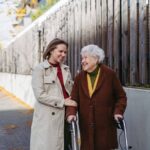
<point x="98" y="131"/>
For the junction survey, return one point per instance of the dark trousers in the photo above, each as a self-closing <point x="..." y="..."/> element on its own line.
<point x="67" y="135"/>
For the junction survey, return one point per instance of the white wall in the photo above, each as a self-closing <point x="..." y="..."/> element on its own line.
<point x="18" y="85"/>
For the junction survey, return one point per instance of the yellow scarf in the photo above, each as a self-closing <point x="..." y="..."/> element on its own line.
<point x="90" y="88"/>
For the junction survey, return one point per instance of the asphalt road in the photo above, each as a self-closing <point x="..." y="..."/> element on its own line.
<point x="15" y="124"/>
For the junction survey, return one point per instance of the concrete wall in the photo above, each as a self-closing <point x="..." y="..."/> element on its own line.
<point x="137" y="115"/>
<point x="19" y="86"/>
<point x="137" y="118"/>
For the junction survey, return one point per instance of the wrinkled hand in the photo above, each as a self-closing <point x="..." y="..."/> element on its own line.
<point x="71" y="118"/>
<point x="70" y="102"/>
<point x="117" y="117"/>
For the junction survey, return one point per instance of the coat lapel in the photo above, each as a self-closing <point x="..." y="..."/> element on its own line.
<point x="64" y="68"/>
<point x="101" y="78"/>
<point x="84" y="83"/>
<point x="65" y="72"/>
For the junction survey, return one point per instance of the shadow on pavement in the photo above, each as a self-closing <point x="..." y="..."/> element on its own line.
<point x="15" y="127"/>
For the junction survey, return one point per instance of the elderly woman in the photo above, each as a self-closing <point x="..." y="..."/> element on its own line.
<point x="101" y="100"/>
<point x="52" y="84"/>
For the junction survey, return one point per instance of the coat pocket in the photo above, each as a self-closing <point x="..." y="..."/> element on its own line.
<point x="49" y="84"/>
<point x="48" y="79"/>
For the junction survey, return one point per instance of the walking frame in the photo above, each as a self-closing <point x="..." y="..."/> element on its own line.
<point x="122" y="125"/>
<point x="75" y="136"/>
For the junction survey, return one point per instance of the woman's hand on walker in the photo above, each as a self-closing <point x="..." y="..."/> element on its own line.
<point x="117" y="117"/>
<point x="71" y="118"/>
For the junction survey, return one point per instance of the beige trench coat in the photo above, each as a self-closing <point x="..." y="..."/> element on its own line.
<point x="47" y="131"/>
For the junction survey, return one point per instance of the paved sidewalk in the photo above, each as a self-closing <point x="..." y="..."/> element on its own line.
<point x="15" y="123"/>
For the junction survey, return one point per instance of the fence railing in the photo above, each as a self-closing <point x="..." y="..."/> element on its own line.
<point x="120" y="27"/>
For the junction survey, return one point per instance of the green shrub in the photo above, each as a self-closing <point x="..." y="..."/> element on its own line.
<point x="42" y="8"/>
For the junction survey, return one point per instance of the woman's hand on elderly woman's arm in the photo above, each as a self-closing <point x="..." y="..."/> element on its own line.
<point x="70" y="102"/>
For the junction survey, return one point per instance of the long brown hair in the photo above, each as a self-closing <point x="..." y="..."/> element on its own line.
<point x="52" y="45"/>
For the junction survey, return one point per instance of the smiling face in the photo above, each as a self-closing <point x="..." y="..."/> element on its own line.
<point x="89" y="62"/>
<point x="58" y="55"/>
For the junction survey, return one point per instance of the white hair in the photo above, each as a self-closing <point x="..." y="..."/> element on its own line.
<point x="95" y="51"/>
